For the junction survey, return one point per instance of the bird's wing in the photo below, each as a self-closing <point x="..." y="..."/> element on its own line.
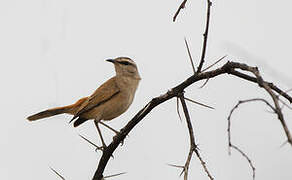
<point x="104" y="93"/>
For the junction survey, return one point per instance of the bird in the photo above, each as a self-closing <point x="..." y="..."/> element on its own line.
<point x="107" y="102"/>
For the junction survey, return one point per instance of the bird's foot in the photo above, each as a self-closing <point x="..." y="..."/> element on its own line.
<point x="118" y="135"/>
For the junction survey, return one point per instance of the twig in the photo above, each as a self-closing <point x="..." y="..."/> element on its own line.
<point x="246" y="157"/>
<point x="190" y="56"/>
<point x="235" y="107"/>
<point x="193" y="146"/>
<point x="230" y="145"/>
<point x="182" y="6"/>
<point x="191" y="134"/>
<point x="209" y="4"/>
<point x="58" y="174"/>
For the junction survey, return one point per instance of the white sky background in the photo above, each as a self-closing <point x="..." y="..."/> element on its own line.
<point x="52" y="53"/>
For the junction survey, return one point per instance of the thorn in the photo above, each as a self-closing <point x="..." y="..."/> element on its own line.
<point x="58" y="174"/>
<point x="204" y="83"/>
<point x="97" y="147"/>
<point x="283" y="144"/>
<point x="214" y="63"/>
<point x="182" y="172"/>
<point x="114" y="175"/>
<point x="177" y="166"/>
<point x="198" y="103"/>
<point x="190" y="56"/>
<point x="177" y="109"/>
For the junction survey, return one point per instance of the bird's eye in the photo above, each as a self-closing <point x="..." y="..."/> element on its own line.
<point x="125" y="63"/>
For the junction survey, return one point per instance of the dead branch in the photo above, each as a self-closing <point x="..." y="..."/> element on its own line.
<point x="191" y="134"/>
<point x="193" y="146"/>
<point x="246" y="157"/>
<point x="277" y="108"/>
<point x="177" y="91"/>
<point x="227" y="68"/>
<point x="230" y="144"/>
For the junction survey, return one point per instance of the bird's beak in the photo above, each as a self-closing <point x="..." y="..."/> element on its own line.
<point x="111" y="60"/>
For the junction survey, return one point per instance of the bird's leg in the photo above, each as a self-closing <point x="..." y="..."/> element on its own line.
<point x="117" y="132"/>
<point x="99" y="132"/>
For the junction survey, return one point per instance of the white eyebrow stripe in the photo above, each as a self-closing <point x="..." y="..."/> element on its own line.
<point x="124" y="59"/>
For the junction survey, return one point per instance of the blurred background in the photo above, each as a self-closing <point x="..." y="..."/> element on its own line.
<point x="53" y="52"/>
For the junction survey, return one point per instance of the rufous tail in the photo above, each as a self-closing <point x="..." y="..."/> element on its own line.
<point x="71" y="109"/>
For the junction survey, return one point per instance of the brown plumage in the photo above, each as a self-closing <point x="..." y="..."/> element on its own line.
<point x="110" y="100"/>
<point x="71" y="109"/>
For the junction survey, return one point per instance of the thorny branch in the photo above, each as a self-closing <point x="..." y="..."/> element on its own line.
<point x="227" y="68"/>
<point x="246" y="157"/>
<point x="177" y="91"/>
<point x="209" y="4"/>
<point x="193" y="146"/>
<point x="230" y="144"/>
<point x="268" y="88"/>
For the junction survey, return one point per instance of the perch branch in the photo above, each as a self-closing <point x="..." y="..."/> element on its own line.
<point x="227" y="68"/>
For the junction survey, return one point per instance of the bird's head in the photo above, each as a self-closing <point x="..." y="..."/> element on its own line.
<point x="125" y="66"/>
